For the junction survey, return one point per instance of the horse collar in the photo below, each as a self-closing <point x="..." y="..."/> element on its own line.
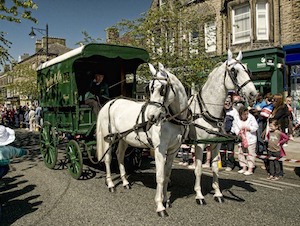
<point x="205" y="113"/>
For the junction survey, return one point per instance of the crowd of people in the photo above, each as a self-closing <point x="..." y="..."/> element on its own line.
<point x="28" y="117"/>
<point x="264" y="128"/>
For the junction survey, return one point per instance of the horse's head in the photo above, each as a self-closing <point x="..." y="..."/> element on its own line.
<point x="239" y="78"/>
<point x="161" y="93"/>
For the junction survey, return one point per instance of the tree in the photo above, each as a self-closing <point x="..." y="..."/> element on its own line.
<point x="173" y="34"/>
<point x="87" y="39"/>
<point x="13" y="11"/>
<point x="24" y="80"/>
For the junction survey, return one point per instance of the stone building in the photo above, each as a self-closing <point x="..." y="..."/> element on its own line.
<point x="259" y="28"/>
<point x="56" y="47"/>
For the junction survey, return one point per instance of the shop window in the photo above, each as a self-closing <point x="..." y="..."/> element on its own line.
<point x="210" y="36"/>
<point x="241" y="24"/>
<point x="262" y="23"/>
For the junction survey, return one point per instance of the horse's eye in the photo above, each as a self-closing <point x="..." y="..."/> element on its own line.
<point x="162" y="90"/>
<point x="232" y="69"/>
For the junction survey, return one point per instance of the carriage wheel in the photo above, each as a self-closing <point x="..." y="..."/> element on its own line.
<point x="48" y="145"/>
<point x="74" y="156"/>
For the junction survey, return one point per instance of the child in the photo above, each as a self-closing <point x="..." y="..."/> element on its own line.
<point x="7" y="152"/>
<point x="275" y="139"/>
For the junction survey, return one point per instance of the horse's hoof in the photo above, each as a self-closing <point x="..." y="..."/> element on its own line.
<point x="127" y="186"/>
<point x="112" y="189"/>
<point x="162" y="213"/>
<point x="219" y="199"/>
<point x="167" y="204"/>
<point x="200" y="202"/>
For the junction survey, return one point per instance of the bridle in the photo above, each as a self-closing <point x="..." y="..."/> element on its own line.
<point x="232" y="73"/>
<point x="164" y="90"/>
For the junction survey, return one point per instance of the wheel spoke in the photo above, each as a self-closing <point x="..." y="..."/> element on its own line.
<point x="48" y="145"/>
<point x="75" y="159"/>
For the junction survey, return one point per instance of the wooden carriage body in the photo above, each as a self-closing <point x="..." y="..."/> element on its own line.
<point x="63" y="82"/>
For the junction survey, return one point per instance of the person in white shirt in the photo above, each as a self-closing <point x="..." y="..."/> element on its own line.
<point x="246" y="126"/>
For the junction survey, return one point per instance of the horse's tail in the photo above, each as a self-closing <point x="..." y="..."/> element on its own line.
<point x="101" y="144"/>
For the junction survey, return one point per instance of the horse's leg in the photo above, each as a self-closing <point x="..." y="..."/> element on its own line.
<point x="215" y="158"/>
<point x="160" y="177"/>
<point x="168" y="170"/>
<point x="198" y="172"/>
<point x="107" y="161"/>
<point x="121" y="154"/>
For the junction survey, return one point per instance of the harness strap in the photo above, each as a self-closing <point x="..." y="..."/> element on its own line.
<point x="210" y="131"/>
<point x="204" y="112"/>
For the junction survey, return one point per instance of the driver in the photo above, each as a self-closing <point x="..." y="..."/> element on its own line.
<point x="98" y="93"/>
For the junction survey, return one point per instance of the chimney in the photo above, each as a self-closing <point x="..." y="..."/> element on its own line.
<point x="38" y="45"/>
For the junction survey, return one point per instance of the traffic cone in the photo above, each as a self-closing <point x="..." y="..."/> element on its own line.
<point x="219" y="161"/>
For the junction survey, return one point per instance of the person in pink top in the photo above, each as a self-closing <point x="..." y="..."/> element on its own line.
<point x="275" y="139"/>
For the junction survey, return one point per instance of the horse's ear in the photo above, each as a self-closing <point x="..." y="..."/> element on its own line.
<point x="229" y="58"/>
<point x="240" y="56"/>
<point x="152" y="69"/>
<point x="160" y="66"/>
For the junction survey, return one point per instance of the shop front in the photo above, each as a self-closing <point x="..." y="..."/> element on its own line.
<point x="292" y="61"/>
<point x="266" y="66"/>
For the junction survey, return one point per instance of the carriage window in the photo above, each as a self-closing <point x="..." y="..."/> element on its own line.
<point x="241" y="24"/>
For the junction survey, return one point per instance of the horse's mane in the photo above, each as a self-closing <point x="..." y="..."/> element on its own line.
<point x="218" y="67"/>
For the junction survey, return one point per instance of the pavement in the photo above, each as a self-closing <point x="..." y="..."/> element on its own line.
<point x="292" y="150"/>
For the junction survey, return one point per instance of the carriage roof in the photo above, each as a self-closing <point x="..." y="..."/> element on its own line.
<point x="100" y="49"/>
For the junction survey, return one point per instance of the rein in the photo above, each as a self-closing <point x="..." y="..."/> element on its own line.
<point x="220" y="134"/>
<point x="206" y="114"/>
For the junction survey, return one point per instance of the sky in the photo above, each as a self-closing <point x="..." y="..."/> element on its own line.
<point x="68" y="18"/>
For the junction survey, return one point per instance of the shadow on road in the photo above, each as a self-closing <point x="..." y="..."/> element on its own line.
<point x="182" y="184"/>
<point x="12" y="206"/>
<point x="297" y="171"/>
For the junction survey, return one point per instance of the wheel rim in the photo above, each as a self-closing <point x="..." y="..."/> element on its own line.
<point x="74" y="159"/>
<point x="48" y="145"/>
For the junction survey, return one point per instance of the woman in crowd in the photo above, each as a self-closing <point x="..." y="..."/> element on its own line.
<point x="245" y="126"/>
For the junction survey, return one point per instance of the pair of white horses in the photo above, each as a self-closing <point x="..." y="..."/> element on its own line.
<point x="162" y="123"/>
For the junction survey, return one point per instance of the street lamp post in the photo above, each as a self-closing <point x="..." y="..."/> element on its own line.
<point x="32" y="35"/>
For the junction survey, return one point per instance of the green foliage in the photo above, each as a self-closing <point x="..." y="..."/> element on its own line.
<point x="87" y="39"/>
<point x="165" y="33"/>
<point x="24" y="80"/>
<point x="13" y="11"/>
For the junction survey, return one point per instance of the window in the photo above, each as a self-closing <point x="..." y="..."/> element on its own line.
<point x="194" y="41"/>
<point x="262" y="22"/>
<point x="241" y="24"/>
<point x="210" y="36"/>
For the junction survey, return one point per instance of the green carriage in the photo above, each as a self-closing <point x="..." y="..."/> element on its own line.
<point x="63" y="82"/>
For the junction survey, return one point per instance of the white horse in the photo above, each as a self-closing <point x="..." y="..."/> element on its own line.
<point x="159" y="124"/>
<point x="207" y="108"/>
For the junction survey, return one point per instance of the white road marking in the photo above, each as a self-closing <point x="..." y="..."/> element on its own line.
<point x="263" y="185"/>
<point x="283" y="183"/>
